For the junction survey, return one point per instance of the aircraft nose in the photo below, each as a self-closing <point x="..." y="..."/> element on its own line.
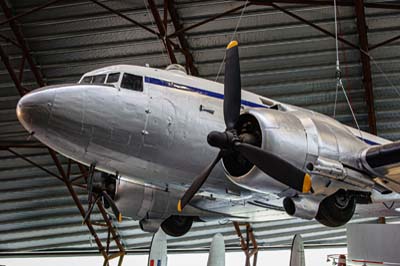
<point x="33" y="109"/>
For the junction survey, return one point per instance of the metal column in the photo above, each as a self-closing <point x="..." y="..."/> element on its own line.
<point x="366" y="64"/>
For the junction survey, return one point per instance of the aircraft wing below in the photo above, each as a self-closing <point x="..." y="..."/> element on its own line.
<point x="384" y="161"/>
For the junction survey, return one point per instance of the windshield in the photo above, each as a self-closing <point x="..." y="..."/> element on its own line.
<point x="97" y="79"/>
<point x="112" y="78"/>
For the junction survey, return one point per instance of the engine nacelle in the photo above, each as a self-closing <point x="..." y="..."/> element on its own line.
<point x="141" y="201"/>
<point x="278" y="132"/>
<point x="316" y="141"/>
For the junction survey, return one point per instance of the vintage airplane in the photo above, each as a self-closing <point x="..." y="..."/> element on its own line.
<point x="148" y="130"/>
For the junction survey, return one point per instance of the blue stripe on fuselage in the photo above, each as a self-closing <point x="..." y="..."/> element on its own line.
<point x="369" y="142"/>
<point x="212" y="94"/>
<point x="217" y="95"/>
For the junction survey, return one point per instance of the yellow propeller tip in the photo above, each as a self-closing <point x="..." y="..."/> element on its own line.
<point x="179" y="207"/>
<point x="120" y="217"/>
<point x="306" y="183"/>
<point x="232" y="44"/>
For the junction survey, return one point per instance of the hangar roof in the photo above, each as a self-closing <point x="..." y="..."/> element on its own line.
<point x="281" y="57"/>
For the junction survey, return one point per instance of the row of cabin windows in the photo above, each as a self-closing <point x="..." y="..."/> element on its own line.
<point x="129" y="81"/>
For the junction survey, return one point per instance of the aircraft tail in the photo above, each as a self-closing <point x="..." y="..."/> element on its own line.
<point x="216" y="256"/>
<point x="158" y="249"/>
<point x="297" y="252"/>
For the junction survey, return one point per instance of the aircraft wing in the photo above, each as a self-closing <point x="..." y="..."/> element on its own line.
<point x="383" y="161"/>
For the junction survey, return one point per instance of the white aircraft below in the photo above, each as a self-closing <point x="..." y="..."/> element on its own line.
<point x="297" y="252"/>
<point x="153" y="132"/>
<point x="158" y="250"/>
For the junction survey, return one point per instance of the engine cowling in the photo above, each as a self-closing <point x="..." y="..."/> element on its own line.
<point x="278" y="132"/>
<point x="140" y="201"/>
<point x="155" y="207"/>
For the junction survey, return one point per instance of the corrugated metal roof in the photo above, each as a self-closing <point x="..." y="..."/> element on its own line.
<point x="280" y="58"/>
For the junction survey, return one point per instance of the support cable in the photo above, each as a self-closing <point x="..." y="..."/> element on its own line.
<point x="339" y="83"/>
<point x="233" y="36"/>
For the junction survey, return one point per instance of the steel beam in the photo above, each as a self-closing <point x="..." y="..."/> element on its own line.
<point x="33" y="10"/>
<point x="181" y="37"/>
<point x="4" y="145"/>
<point x="384" y="43"/>
<point x="313" y="25"/>
<point x="10" y="69"/>
<point x="77" y="202"/>
<point x="163" y="32"/>
<point x="366" y="64"/>
<point x="10" y="41"/>
<point x="381" y="5"/>
<point x="125" y="17"/>
<point x="24" y="46"/>
<point x="35" y="164"/>
<point x="182" y="30"/>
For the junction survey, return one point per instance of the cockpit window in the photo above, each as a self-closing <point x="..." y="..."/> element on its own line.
<point x="132" y="82"/>
<point x="112" y="78"/>
<point x="87" y="79"/>
<point x="99" y="79"/>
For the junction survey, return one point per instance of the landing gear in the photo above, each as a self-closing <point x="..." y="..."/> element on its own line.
<point x="177" y="225"/>
<point x="337" y="209"/>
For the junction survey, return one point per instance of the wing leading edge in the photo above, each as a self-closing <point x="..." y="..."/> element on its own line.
<point x="383" y="161"/>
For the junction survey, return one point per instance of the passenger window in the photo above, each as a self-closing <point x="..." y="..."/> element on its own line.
<point x="132" y="82"/>
<point x="99" y="79"/>
<point x="87" y="79"/>
<point x="112" y="78"/>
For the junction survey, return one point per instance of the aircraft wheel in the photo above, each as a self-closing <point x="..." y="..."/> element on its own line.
<point x="336" y="210"/>
<point x="177" y="225"/>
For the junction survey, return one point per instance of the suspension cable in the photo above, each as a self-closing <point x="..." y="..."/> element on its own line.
<point x="339" y="82"/>
<point x="233" y="36"/>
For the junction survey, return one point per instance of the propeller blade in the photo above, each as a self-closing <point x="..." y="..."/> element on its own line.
<point x="90" y="210"/>
<point x="113" y="206"/>
<point x="232" y="85"/>
<point x="197" y="183"/>
<point x="276" y="167"/>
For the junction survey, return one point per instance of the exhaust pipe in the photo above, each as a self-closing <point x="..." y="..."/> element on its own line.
<point x="302" y="207"/>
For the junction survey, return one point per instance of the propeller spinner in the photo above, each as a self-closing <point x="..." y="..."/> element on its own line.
<point x="229" y="141"/>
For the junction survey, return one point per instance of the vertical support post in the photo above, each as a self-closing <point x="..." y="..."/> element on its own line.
<point x="181" y="38"/>
<point x="162" y="30"/>
<point x="366" y="64"/>
<point x="246" y="243"/>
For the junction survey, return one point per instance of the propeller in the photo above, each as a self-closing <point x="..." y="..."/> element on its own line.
<point x="229" y="141"/>
<point x="100" y="191"/>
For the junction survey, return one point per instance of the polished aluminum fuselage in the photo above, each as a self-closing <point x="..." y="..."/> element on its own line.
<point x="158" y="136"/>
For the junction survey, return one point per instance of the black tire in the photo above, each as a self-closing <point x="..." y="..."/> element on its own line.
<point x="177" y="225"/>
<point x="336" y="210"/>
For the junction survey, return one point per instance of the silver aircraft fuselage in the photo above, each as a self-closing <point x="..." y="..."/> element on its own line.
<point x="158" y="135"/>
